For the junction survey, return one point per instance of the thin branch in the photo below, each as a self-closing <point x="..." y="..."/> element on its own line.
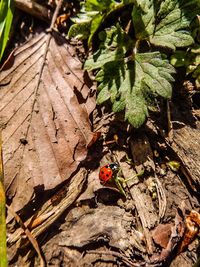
<point x="30" y="237"/>
<point x="34" y="9"/>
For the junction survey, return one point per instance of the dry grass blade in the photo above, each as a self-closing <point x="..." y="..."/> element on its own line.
<point x="44" y="113"/>
<point x="162" y="200"/>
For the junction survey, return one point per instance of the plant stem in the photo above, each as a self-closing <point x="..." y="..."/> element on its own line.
<point x="3" y="255"/>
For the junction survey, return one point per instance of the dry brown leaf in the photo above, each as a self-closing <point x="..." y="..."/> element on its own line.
<point x="192" y="223"/>
<point x="177" y="232"/>
<point x="161" y="234"/>
<point x="44" y="109"/>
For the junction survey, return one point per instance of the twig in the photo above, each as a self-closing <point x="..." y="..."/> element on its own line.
<point x="102" y="120"/>
<point x="30" y="237"/>
<point x="161" y="198"/>
<point x="169" y="121"/>
<point x="34" y="9"/>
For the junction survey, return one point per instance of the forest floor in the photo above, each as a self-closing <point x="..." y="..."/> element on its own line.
<point x="85" y="223"/>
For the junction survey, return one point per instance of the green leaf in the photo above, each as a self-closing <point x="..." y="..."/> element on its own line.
<point x="113" y="48"/>
<point x="143" y="18"/>
<point x="100" y="5"/>
<point x="165" y="23"/>
<point x="80" y="31"/>
<point x="156" y="73"/>
<point x="136" y="110"/>
<point x="178" y="59"/>
<point x="189" y="59"/>
<point x="131" y="86"/>
<point x="6" y="16"/>
<point x="96" y="22"/>
<point x="93" y="12"/>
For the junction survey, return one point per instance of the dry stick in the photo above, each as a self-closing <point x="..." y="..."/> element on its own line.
<point x="169" y="122"/>
<point x="34" y="9"/>
<point x="30" y="237"/>
<point x="162" y="200"/>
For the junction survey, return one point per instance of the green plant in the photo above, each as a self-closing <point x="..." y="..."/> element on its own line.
<point x="6" y="16"/>
<point x="131" y="70"/>
<point x="3" y="255"/>
<point x="190" y="58"/>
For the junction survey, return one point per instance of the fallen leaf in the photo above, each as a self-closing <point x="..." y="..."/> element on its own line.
<point x="161" y="234"/>
<point x="177" y="232"/>
<point x="96" y="136"/>
<point x="44" y="114"/>
<point x="192" y="223"/>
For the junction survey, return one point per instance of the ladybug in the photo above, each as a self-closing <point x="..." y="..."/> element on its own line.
<point x="107" y="171"/>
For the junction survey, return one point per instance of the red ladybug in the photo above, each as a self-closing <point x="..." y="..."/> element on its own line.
<point x="107" y="171"/>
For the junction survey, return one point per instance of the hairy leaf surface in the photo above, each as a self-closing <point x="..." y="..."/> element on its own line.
<point x="129" y="84"/>
<point x="165" y="23"/>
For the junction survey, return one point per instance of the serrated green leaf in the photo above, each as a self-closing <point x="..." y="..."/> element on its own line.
<point x="93" y="12"/>
<point x="95" y="25"/>
<point x="136" y="110"/>
<point x="113" y="48"/>
<point x="166" y="25"/>
<point x="153" y="75"/>
<point x="103" y="95"/>
<point x="132" y="86"/>
<point x="172" y="39"/>
<point x="97" y="60"/>
<point x="143" y="18"/>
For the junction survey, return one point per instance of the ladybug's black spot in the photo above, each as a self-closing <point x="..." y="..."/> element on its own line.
<point x="102" y="172"/>
<point x="107" y="175"/>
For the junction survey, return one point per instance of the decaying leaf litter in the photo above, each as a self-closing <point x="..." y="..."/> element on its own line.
<point x="83" y="222"/>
